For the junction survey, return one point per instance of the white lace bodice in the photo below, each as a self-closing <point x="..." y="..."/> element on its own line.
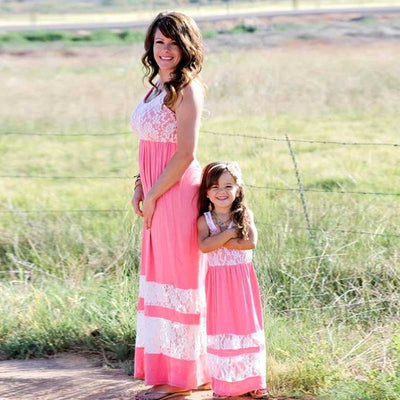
<point x="152" y="120"/>
<point x="223" y="256"/>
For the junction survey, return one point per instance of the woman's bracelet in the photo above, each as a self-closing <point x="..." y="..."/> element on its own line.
<point x="138" y="181"/>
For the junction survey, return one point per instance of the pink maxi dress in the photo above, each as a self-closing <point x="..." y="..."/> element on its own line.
<point x="171" y="343"/>
<point x="235" y="333"/>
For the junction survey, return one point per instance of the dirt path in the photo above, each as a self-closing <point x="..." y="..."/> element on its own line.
<point x="66" y="376"/>
<point x="72" y="377"/>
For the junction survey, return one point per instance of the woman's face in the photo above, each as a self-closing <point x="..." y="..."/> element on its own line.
<point x="166" y="52"/>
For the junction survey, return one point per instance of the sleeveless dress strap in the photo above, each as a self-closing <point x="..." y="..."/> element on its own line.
<point x="211" y="225"/>
<point x="210" y="222"/>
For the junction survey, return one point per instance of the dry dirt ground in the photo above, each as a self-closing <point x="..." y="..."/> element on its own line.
<point x="70" y="377"/>
<point x="65" y="376"/>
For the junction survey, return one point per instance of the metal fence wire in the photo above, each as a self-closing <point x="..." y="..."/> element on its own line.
<point x="301" y="190"/>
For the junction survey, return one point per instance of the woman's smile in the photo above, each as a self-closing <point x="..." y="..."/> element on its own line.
<point x="167" y="54"/>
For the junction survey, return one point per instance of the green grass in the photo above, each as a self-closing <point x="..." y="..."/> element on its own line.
<point x="54" y="315"/>
<point x="103" y="37"/>
<point x="97" y="38"/>
<point x="69" y="280"/>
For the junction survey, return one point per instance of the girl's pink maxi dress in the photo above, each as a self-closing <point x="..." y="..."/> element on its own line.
<point x="235" y="334"/>
<point x="171" y="333"/>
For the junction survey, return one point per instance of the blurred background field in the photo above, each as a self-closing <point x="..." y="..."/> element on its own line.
<point x="69" y="241"/>
<point x="38" y="12"/>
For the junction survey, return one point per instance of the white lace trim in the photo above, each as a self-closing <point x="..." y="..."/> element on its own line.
<point x="173" y="339"/>
<point x="189" y="301"/>
<point x="222" y="255"/>
<point x="237" y="368"/>
<point x="234" y="342"/>
<point x="155" y="122"/>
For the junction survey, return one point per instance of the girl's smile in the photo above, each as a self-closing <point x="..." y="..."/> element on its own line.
<point x="223" y="194"/>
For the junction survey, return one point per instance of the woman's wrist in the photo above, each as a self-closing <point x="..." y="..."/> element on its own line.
<point x="138" y="188"/>
<point x="138" y="182"/>
<point x="151" y="196"/>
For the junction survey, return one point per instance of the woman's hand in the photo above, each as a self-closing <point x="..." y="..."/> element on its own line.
<point x="137" y="200"/>
<point x="148" y="207"/>
<point x="143" y="206"/>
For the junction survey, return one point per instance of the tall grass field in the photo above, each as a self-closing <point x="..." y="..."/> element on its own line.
<point x="315" y="128"/>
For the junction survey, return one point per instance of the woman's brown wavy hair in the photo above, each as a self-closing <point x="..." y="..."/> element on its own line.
<point x="210" y="176"/>
<point x="184" y="31"/>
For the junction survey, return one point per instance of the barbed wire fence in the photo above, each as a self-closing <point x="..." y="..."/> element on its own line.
<point x="281" y="288"/>
<point x="301" y="190"/>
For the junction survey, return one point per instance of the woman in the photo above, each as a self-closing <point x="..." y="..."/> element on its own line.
<point x="170" y="349"/>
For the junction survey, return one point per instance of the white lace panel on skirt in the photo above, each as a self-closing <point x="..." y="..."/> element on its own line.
<point x="230" y="341"/>
<point x="237" y="368"/>
<point x="181" y="341"/>
<point x="187" y="301"/>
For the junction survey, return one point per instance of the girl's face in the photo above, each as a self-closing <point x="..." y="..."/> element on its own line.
<point x="166" y="52"/>
<point x="224" y="192"/>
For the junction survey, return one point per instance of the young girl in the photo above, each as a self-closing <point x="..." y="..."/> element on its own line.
<point x="235" y="334"/>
